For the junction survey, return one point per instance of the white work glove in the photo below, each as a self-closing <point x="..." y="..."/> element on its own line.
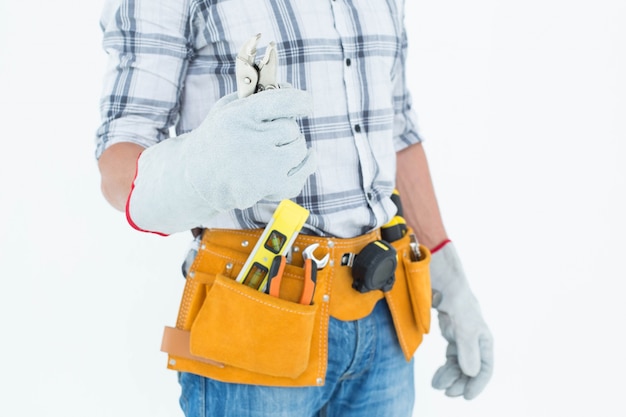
<point x="469" y="363"/>
<point x="244" y="151"/>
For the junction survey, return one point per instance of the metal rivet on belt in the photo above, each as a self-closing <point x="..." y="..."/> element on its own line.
<point x="331" y="262"/>
<point x="172" y="362"/>
<point x="229" y="266"/>
<point x="320" y="381"/>
<point x="245" y="243"/>
<point x="296" y="249"/>
<point x="192" y="274"/>
<point x="331" y="244"/>
<point x="203" y="247"/>
<point x="326" y="298"/>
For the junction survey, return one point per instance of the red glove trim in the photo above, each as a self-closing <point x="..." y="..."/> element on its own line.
<point x="128" y="218"/>
<point x="440" y="246"/>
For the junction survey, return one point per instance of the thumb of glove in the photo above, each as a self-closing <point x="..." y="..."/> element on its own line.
<point x="469" y="354"/>
<point x="297" y="178"/>
<point x="478" y="383"/>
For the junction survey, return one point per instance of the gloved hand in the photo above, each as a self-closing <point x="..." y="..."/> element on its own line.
<point x="469" y="363"/>
<point x="245" y="150"/>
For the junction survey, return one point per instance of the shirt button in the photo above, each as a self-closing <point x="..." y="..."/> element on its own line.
<point x="348" y="62"/>
<point x="357" y="128"/>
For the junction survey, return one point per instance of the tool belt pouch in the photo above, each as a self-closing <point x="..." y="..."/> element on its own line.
<point x="410" y="298"/>
<point x="230" y="332"/>
<point x="420" y="293"/>
<point x="244" y="328"/>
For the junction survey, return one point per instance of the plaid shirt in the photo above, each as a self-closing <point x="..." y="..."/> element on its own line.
<point x="170" y="60"/>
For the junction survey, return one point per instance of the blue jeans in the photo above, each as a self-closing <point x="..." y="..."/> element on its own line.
<point x="367" y="376"/>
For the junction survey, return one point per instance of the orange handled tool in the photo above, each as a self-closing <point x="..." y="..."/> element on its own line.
<point x="275" y="279"/>
<point x="276" y="275"/>
<point x="310" y="278"/>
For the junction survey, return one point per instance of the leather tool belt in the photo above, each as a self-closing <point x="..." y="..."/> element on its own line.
<point x="232" y="333"/>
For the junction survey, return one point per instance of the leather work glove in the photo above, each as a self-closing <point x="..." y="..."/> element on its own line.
<point x="469" y="363"/>
<point x="244" y="151"/>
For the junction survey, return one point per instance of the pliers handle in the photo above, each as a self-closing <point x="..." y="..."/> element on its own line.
<point x="310" y="279"/>
<point x="275" y="279"/>
<point x="252" y="77"/>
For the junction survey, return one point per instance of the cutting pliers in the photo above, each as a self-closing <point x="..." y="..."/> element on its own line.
<point x="252" y="77"/>
<point x="275" y="279"/>
<point x="311" y="265"/>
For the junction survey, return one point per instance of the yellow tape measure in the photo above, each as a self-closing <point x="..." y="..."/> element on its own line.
<point x="276" y="240"/>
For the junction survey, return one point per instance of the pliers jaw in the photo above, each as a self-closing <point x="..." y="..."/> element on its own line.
<point x="252" y="77"/>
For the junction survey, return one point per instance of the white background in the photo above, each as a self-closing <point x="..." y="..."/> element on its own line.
<point x="522" y="105"/>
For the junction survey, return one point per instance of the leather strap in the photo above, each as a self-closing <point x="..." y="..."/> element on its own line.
<point x="176" y="342"/>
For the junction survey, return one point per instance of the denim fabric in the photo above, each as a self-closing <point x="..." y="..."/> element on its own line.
<point x="367" y="376"/>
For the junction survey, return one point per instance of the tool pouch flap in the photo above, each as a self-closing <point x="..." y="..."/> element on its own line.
<point x="247" y="329"/>
<point x="418" y="282"/>
<point x="410" y="298"/>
